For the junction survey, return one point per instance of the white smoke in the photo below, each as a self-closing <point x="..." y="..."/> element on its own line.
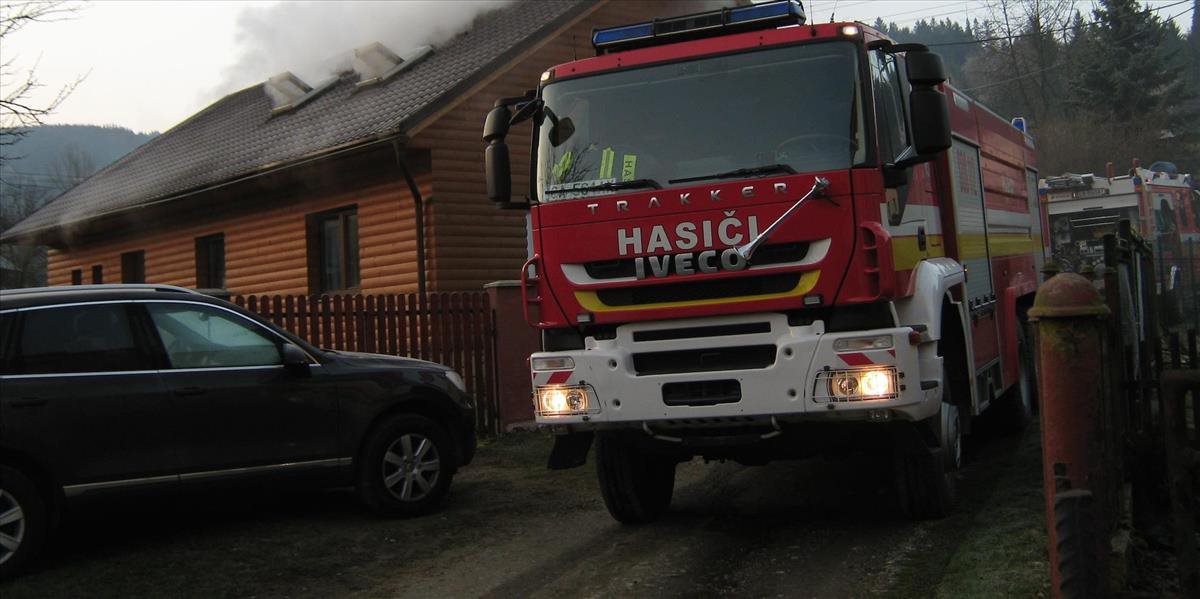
<point x="314" y="40"/>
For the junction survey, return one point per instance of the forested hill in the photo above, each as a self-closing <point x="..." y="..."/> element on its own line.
<point x="60" y="155"/>
<point x="1117" y="81"/>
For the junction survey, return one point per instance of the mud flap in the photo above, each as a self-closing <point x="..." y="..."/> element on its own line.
<point x="570" y="450"/>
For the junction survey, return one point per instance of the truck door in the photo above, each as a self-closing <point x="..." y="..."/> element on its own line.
<point x="970" y="219"/>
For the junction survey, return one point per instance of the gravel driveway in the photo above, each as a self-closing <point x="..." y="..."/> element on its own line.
<point x="815" y="528"/>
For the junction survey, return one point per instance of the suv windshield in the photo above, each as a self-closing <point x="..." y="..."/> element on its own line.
<point x="795" y="107"/>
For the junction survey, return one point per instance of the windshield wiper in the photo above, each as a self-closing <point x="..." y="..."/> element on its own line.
<point x="610" y="185"/>
<point x="766" y="169"/>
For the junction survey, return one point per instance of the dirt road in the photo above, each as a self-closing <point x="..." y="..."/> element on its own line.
<point x="817" y="528"/>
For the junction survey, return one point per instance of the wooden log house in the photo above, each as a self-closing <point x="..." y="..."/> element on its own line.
<point x="369" y="183"/>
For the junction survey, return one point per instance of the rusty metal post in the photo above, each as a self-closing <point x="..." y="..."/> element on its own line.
<point x="1069" y="315"/>
<point x="1049" y="269"/>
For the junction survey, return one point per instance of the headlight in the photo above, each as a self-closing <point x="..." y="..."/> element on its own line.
<point x="851" y="385"/>
<point x="457" y="380"/>
<point x="564" y="400"/>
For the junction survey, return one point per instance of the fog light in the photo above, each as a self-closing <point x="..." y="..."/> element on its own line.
<point x="866" y="383"/>
<point x="562" y="400"/>
<point x="845" y="384"/>
<point x="876" y="382"/>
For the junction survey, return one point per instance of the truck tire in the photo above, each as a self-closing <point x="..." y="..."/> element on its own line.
<point x="636" y="487"/>
<point x="1014" y="411"/>
<point x="925" y="477"/>
<point x="23" y="521"/>
<point x="405" y="467"/>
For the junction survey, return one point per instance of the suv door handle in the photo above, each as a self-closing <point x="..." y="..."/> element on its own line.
<point x="186" y="391"/>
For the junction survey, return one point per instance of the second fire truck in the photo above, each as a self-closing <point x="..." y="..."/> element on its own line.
<point x="756" y="238"/>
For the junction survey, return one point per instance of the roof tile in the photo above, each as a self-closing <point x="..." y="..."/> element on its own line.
<point x="237" y="135"/>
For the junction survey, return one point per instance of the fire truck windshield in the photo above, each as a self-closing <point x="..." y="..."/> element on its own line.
<point x="794" y="108"/>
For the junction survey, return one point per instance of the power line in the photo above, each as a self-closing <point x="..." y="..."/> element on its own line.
<point x="1061" y="62"/>
<point x="919" y="10"/>
<point x="1061" y="29"/>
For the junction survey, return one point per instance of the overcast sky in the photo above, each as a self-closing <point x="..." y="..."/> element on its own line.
<point x="150" y="64"/>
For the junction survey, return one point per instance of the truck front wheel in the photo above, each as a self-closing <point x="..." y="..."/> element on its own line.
<point x="636" y="486"/>
<point x="925" y="476"/>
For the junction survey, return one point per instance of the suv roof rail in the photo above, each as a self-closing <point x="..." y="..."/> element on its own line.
<point x="102" y="287"/>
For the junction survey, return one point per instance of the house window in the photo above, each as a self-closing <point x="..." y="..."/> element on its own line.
<point x="210" y="261"/>
<point x="97" y="274"/>
<point x="133" y="267"/>
<point x="333" y="250"/>
<point x="77" y="276"/>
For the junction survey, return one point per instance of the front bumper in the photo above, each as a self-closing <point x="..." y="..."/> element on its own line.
<point x="642" y="377"/>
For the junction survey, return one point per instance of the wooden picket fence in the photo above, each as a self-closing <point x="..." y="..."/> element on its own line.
<point x="455" y="329"/>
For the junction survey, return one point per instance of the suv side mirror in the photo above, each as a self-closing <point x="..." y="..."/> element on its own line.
<point x="294" y="359"/>
<point x="930" y="116"/>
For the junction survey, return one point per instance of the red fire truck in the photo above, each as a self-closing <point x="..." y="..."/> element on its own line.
<point x="756" y="238"/>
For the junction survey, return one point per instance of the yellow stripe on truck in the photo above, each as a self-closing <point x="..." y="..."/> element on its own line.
<point x="1011" y="244"/>
<point x="906" y="254"/>
<point x="1000" y="244"/>
<point x="591" y="302"/>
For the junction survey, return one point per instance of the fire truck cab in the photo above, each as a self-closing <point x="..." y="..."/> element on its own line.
<point x="756" y="238"/>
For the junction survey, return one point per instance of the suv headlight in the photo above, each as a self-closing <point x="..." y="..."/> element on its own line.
<point x="457" y="380"/>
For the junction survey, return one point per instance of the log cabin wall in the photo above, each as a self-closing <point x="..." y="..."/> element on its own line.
<point x="266" y="250"/>
<point x="473" y="242"/>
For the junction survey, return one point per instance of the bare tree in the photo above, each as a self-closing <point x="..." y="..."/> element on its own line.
<point x="22" y="196"/>
<point x="1022" y="56"/>
<point x="18" y="110"/>
<point x="23" y="265"/>
<point x="72" y="167"/>
<point x="1085" y="145"/>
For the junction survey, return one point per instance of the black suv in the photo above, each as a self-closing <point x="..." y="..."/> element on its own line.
<point x="112" y="388"/>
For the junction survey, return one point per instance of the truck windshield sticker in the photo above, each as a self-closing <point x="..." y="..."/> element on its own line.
<point x="606" y="163"/>
<point x="562" y="166"/>
<point x="579" y="189"/>
<point x="629" y="167"/>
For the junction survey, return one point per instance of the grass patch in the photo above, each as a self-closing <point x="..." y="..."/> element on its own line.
<point x="1002" y="552"/>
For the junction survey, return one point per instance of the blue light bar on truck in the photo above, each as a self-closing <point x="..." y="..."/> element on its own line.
<point x="704" y="24"/>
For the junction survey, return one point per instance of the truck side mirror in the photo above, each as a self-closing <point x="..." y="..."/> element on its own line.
<point x="930" y="116"/>
<point x="496" y="164"/>
<point x="930" y="121"/>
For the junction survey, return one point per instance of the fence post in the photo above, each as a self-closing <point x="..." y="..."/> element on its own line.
<point x="1070" y="332"/>
<point x="1181" y="462"/>
<point x="515" y="340"/>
